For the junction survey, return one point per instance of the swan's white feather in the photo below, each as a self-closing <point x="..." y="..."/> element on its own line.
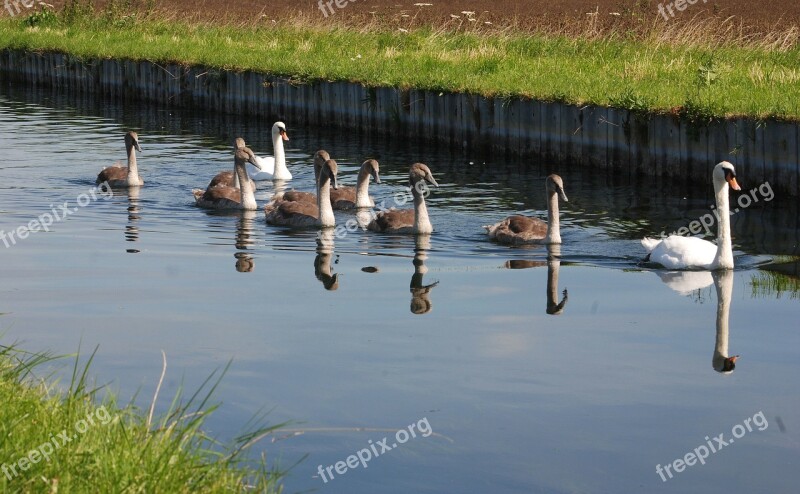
<point x="267" y="165"/>
<point x="677" y="252"/>
<point x="686" y="282"/>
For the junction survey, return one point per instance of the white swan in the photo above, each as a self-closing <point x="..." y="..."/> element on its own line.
<point x="518" y="229"/>
<point x="124" y="176"/>
<point x="227" y="197"/>
<point x="678" y="252"/>
<point x="273" y="168"/>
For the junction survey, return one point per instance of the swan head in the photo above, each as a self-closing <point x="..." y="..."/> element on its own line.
<point x="238" y="143"/>
<point x="329" y="170"/>
<point x="320" y="157"/>
<point x="420" y="172"/>
<point x="724" y="172"/>
<point x="555" y="185"/>
<point x="132" y="141"/>
<point x="372" y="167"/>
<point x="727" y="365"/>
<point x="245" y="155"/>
<point x="279" y="129"/>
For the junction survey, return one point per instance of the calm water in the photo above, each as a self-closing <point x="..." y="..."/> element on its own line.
<point x="383" y="332"/>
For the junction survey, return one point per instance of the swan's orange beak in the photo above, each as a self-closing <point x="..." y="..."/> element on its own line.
<point x="284" y="136"/>
<point x="732" y="182"/>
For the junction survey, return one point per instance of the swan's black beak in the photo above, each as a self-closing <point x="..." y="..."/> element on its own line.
<point x="333" y="182"/>
<point x="136" y="145"/>
<point x="431" y="180"/>
<point x="562" y="195"/>
<point x="376" y="177"/>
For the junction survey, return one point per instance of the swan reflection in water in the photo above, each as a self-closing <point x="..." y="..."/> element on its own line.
<point x="692" y="282"/>
<point x="722" y="362"/>
<point x="322" y="262"/>
<point x="420" y="293"/>
<point x="554" y="307"/>
<point x="244" y="241"/>
<point x="134" y="210"/>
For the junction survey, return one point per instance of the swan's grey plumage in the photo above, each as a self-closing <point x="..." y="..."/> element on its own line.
<point x="358" y="196"/>
<point x="518" y="229"/>
<point x="414" y="221"/>
<point x="306" y="214"/>
<point x="230" y="178"/>
<point x="124" y="176"/>
<point x="320" y="157"/>
<point x="226" y="197"/>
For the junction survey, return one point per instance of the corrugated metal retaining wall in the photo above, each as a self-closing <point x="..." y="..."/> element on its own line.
<point x="604" y="138"/>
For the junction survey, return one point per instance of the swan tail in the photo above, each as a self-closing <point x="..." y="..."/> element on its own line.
<point x="650" y="243"/>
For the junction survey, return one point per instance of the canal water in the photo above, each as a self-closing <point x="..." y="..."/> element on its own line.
<point x="455" y="364"/>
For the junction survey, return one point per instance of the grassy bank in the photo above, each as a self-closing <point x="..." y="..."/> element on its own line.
<point x="699" y="78"/>
<point x="70" y="442"/>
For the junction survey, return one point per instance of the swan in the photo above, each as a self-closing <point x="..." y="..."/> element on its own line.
<point x="320" y="157"/>
<point x="124" y="176"/>
<point x="517" y="229"/>
<point x="273" y="168"/>
<point x="357" y="197"/>
<point x="678" y="252"/>
<point x="230" y="178"/>
<point x="226" y="197"/>
<point x="305" y="214"/>
<point x="415" y="220"/>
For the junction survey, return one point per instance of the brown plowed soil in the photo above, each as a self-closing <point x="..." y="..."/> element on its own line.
<point x="752" y="16"/>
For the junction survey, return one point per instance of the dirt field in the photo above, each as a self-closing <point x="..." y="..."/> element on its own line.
<point x="562" y="15"/>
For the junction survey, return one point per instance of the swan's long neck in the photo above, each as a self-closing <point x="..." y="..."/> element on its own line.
<point x="553" y="266"/>
<point x="422" y="223"/>
<point x="724" y="286"/>
<point x="724" y="257"/>
<point x="362" y="190"/>
<point x="236" y="175"/>
<point x="553" y="224"/>
<point x="133" y="169"/>
<point x="246" y="194"/>
<point x="326" y="217"/>
<point x="281" y="172"/>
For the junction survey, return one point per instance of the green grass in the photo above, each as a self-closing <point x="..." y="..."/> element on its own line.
<point x="112" y="448"/>
<point x="690" y="79"/>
